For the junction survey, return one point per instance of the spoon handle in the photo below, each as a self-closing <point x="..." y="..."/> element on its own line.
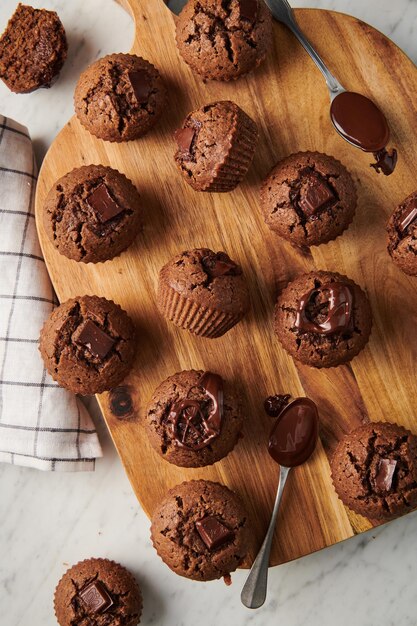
<point x="282" y="12"/>
<point x="254" y="591"/>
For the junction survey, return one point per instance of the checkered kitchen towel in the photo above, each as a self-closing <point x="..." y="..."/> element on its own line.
<point x="41" y="425"/>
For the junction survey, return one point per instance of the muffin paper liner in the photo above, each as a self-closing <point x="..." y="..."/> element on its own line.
<point x="192" y="316"/>
<point x="234" y="168"/>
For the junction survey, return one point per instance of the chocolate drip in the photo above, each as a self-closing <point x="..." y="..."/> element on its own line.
<point x="273" y="405"/>
<point x="385" y="161"/>
<point x="363" y="124"/>
<point x="294" y="436"/>
<point x="190" y="427"/>
<point x="338" y="316"/>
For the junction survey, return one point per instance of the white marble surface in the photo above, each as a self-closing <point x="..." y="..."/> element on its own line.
<point x="48" y="521"/>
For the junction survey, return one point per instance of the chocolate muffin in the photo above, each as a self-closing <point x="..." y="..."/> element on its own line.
<point x="402" y="235"/>
<point x="203" y="291"/>
<point x="323" y="319"/>
<point x="194" y="419"/>
<point x="98" y="592"/>
<point x="201" y="530"/>
<point x="374" y="470"/>
<point x="119" y="97"/>
<point x="87" y="344"/>
<point x="223" y="40"/>
<point x="92" y="214"/>
<point x="308" y="198"/>
<point x="33" y="49"/>
<point x="216" y="145"/>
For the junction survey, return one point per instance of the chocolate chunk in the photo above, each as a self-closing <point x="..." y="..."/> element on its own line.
<point x="273" y="405"/>
<point x="190" y="426"/>
<point x="141" y="85"/>
<point x="407" y="217"/>
<point x="314" y="195"/>
<point x="385" y="475"/>
<point x="184" y="138"/>
<point x="333" y="312"/>
<point x="248" y="9"/>
<point x="102" y="203"/>
<point x="213" y="532"/>
<point x="94" y="339"/>
<point x="220" y="265"/>
<point x="96" y="598"/>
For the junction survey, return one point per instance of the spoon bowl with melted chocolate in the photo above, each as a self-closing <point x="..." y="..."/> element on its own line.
<point x="292" y="441"/>
<point x="355" y="117"/>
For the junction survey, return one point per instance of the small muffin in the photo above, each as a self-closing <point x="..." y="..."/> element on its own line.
<point x="216" y="145"/>
<point x="98" y="592"/>
<point x="119" y="97"/>
<point x="201" y="530"/>
<point x="223" y="40"/>
<point x="92" y="214"/>
<point x="308" y="198"/>
<point x="203" y="291"/>
<point x="87" y="344"/>
<point x="323" y="319"/>
<point x="33" y="49"/>
<point x="193" y="419"/>
<point x="402" y="235"/>
<point x="374" y="470"/>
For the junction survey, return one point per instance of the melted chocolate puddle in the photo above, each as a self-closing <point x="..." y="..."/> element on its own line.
<point x="361" y="123"/>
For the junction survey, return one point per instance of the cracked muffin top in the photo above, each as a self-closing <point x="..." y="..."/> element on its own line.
<point x="119" y="97"/>
<point x="374" y="470"/>
<point x="223" y="39"/>
<point x="402" y="235"/>
<point x="216" y="145"/>
<point x="308" y="198"/>
<point x="88" y="344"/>
<point x="194" y="418"/>
<point x="98" y="592"/>
<point x="92" y="214"/>
<point x="323" y="319"/>
<point x="201" y="530"/>
<point x="33" y="49"/>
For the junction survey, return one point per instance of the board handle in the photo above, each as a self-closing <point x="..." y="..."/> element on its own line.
<point x="154" y="22"/>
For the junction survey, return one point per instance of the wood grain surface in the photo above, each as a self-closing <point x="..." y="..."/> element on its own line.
<point x="289" y="101"/>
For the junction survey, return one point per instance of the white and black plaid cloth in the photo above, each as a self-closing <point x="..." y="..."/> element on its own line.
<point x="41" y="425"/>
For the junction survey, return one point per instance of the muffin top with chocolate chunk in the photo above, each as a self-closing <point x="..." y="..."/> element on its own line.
<point x="119" y="97"/>
<point x="88" y="344"/>
<point x="215" y="146"/>
<point x="374" y="470"/>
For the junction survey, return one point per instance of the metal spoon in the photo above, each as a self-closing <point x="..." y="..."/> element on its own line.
<point x="355" y="117"/>
<point x="282" y="12"/>
<point x="292" y="441"/>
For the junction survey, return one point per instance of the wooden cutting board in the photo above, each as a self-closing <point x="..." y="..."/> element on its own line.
<point x="288" y="99"/>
